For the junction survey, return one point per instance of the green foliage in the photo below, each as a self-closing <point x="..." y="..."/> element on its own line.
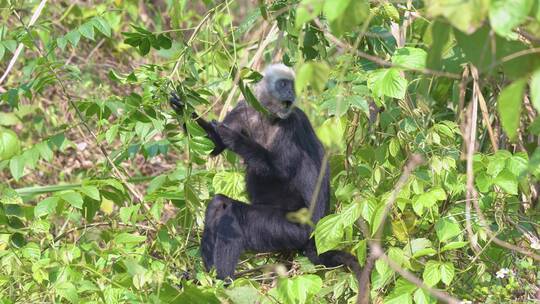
<point x="102" y="194"/>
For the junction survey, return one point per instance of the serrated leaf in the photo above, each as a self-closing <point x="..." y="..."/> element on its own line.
<point x="507" y="181"/>
<point x="447" y="228"/>
<point x="409" y="57"/>
<point x="46" y="206"/>
<point x="387" y="82"/>
<point x="447" y="273"/>
<point x="423" y="297"/>
<point x="509" y="107"/>
<point x="68" y="291"/>
<point x="432" y="273"/>
<point x="298" y="289"/>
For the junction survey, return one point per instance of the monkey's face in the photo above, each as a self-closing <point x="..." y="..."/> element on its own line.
<point x="281" y="98"/>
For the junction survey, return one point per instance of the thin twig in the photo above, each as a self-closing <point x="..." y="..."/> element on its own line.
<point x="381" y="61"/>
<point x="483" y="108"/>
<point x="21" y="45"/>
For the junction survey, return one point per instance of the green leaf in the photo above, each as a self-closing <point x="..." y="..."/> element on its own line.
<point x="144" y="46"/>
<point x="466" y="16"/>
<point x="298" y="289"/>
<point x="9" y="144"/>
<point x="404" y="298"/>
<point x="409" y="57"/>
<point x="446" y="229"/>
<point x="432" y="273"/>
<point x="447" y="273"/>
<point x="314" y="74"/>
<point x="335" y="8"/>
<point x="91" y="191"/>
<point x="307" y="10"/>
<point x="509" y="107"/>
<point x="61" y="42"/>
<point x="46" y="206"/>
<point x="453" y="245"/>
<point x="505" y="15"/>
<point x="535" y="89"/>
<point x="73" y="37"/>
<point x="164" y="41"/>
<point x="73" y="198"/>
<point x="351" y="16"/>
<point x="328" y="233"/>
<point x="16" y="166"/>
<point x="423" y="297"/>
<point x="387" y="82"/>
<point x="68" y="291"/>
<point x="251" y="99"/>
<point x="87" y="30"/>
<point x="128" y="238"/>
<point x="331" y="133"/>
<point x="507" y="181"/>
<point x="102" y="25"/>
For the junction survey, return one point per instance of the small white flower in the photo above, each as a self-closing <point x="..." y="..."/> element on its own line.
<point x="82" y="146"/>
<point x="502" y="273"/>
<point x="465" y="302"/>
<point x="535" y="245"/>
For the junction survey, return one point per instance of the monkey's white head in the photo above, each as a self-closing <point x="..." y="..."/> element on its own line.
<point x="276" y="90"/>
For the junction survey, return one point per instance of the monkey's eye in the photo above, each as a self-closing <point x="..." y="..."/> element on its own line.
<point x="282" y="83"/>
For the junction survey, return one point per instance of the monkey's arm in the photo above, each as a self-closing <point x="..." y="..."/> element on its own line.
<point x="209" y="127"/>
<point x="256" y="156"/>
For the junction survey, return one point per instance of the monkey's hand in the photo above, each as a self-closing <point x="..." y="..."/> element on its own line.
<point x="176" y="103"/>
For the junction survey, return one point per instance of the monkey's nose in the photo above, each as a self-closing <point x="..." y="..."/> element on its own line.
<point x="287" y="103"/>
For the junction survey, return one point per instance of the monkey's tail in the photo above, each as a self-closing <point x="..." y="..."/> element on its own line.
<point x="333" y="258"/>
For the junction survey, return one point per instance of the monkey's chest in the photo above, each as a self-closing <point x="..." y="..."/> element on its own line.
<point x="268" y="136"/>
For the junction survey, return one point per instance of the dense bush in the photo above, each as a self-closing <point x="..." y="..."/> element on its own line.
<point x="102" y="194"/>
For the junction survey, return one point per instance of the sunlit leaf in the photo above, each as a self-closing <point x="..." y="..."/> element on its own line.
<point x="509" y="106"/>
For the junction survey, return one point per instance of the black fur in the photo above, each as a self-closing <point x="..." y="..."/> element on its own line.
<point x="281" y="177"/>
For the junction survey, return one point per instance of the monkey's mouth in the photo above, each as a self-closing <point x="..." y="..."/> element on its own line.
<point x="287" y="103"/>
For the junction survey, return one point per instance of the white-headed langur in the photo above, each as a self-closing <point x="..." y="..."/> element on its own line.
<point x="283" y="158"/>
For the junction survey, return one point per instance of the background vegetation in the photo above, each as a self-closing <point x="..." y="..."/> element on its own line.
<point x="102" y="196"/>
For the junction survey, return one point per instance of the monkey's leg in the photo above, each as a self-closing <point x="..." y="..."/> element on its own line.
<point x="222" y="241"/>
<point x="266" y="229"/>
